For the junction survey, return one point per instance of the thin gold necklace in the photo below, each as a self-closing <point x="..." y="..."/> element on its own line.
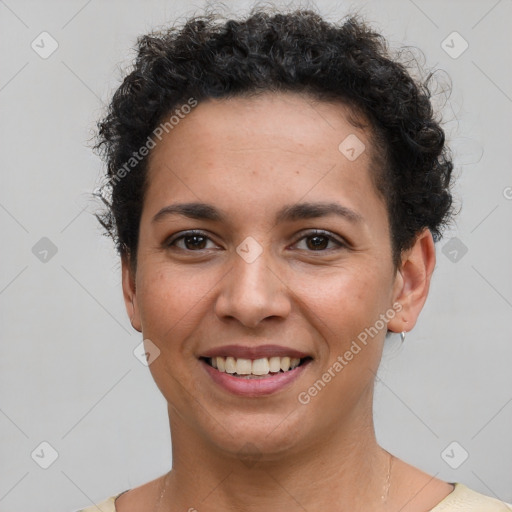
<point x="163" y="488"/>
<point x="384" y="496"/>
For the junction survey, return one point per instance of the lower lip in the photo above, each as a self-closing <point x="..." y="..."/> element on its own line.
<point x="255" y="387"/>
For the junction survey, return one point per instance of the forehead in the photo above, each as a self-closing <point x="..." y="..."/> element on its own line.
<point x="275" y="146"/>
<point x="286" y="119"/>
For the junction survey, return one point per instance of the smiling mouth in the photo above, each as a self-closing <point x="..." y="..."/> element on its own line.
<point x="255" y="368"/>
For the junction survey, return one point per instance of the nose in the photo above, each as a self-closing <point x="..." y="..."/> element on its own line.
<point x="252" y="292"/>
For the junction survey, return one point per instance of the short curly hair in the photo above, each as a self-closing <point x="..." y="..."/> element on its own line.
<point x="209" y="56"/>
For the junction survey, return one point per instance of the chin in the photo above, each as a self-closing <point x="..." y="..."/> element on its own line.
<point x="257" y="437"/>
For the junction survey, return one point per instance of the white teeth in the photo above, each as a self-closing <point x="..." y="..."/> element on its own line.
<point x="230" y="364"/>
<point x="258" y="367"/>
<point x="275" y="364"/>
<point x="243" y="366"/>
<point x="294" y="362"/>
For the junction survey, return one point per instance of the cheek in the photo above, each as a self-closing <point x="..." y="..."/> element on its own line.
<point x="343" y="307"/>
<point x="166" y="299"/>
<point x="171" y="306"/>
<point x="344" y="301"/>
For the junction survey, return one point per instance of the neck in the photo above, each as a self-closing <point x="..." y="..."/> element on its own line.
<point x="342" y="471"/>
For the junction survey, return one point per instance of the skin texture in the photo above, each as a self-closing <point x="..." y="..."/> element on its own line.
<point x="249" y="158"/>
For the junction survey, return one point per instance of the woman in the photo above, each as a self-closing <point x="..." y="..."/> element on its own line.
<point x="275" y="188"/>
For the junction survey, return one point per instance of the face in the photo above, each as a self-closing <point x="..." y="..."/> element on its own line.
<point x="260" y="240"/>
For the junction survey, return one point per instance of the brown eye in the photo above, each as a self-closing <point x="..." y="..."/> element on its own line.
<point x="192" y="241"/>
<point x="319" y="241"/>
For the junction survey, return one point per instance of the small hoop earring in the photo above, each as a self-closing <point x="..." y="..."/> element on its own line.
<point x="402" y="336"/>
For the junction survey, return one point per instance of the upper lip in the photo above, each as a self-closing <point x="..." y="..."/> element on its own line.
<point x="259" y="352"/>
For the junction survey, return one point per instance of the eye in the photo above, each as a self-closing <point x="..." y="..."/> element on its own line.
<point x="319" y="240"/>
<point x="191" y="241"/>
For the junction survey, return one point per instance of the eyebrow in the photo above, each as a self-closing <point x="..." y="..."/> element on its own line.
<point x="200" y="211"/>
<point x="294" y="212"/>
<point x="303" y="211"/>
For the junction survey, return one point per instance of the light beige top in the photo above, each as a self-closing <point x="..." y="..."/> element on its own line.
<point x="461" y="499"/>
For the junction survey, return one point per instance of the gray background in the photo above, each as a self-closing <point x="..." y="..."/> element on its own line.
<point x="68" y="373"/>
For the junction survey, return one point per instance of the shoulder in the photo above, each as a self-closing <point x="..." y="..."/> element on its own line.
<point x="107" y="505"/>
<point x="130" y="500"/>
<point x="464" y="499"/>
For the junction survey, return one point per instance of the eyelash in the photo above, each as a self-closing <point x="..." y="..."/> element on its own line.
<point x="316" y="232"/>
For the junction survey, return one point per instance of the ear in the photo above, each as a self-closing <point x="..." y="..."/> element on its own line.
<point x="129" y="293"/>
<point x="412" y="282"/>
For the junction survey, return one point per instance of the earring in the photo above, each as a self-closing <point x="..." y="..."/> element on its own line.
<point x="402" y="336"/>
